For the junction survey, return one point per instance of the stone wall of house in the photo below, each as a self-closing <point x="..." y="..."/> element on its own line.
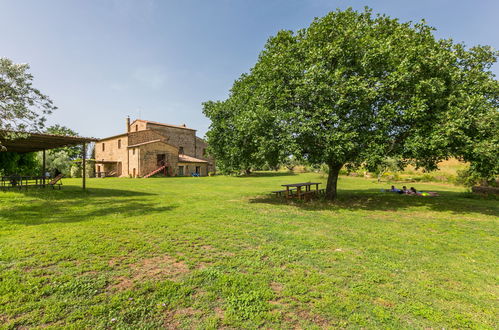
<point x="137" y="125"/>
<point x="190" y="168"/>
<point x="201" y="152"/>
<point x="178" y="137"/>
<point x="148" y="157"/>
<point x="113" y="149"/>
<point x="133" y="161"/>
<point x="144" y="136"/>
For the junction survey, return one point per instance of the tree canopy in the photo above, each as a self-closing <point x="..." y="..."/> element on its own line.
<point x="22" y="107"/>
<point x="72" y="152"/>
<point x="62" y="159"/>
<point x="355" y="88"/>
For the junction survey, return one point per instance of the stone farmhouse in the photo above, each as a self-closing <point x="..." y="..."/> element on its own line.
<point x="148" y="148"/>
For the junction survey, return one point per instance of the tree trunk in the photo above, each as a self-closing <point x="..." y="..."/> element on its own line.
<point x="332" y="181"/>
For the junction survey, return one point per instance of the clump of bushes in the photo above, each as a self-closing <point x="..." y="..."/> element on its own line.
<point x="470" y="178"/>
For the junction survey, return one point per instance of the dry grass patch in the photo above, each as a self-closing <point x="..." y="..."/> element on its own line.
<point x="156" y="268"/>
<point x="383" y="302"/>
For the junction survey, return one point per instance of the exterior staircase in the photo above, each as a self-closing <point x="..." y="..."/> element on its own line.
<point x="159" y="169"/>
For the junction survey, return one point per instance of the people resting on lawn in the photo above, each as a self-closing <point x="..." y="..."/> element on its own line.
<point x="396" y="190"/>
<point x="413" y="191"/>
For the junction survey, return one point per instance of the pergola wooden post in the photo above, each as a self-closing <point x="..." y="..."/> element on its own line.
<point x="84" y="157"/>
<point x="44" y="167"/>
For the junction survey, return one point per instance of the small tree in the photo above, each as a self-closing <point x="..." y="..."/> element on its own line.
<point x="72" y="151"/>
<point x="22" y="107"/>
<point x="59" y="160"/>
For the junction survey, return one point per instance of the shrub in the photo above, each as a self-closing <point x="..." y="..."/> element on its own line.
<point x="75" y="171"/>
<point x="470" y="178"/>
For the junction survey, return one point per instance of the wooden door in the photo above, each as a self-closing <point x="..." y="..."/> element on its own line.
<point x="160" y="159"/>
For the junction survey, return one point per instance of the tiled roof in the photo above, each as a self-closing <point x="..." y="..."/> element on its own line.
<point x="112" y="137"/>
<point x="162" y="124"/>
<point x="189" y="159"/>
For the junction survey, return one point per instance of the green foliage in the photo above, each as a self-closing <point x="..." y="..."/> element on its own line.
<point x="76" y="171"/>
<point x="22" y="107"/>
<point x="73" y="152"/>
<point x="355" y="89"/>
<point x="470" y="177"/>
<point x="58" y="160"/>
<point x="385" y="165"/>
<point x="63" y="159"/>
<point x="12" y="163"/>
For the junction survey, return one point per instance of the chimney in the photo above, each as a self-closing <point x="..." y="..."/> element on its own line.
<point x="128" y="124"/>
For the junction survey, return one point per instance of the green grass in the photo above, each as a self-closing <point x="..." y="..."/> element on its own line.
<point x="218" y="252"/>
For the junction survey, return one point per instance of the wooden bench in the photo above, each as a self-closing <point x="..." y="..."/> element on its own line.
<point x="306" y="195"/>
<point x="280" y="193"/>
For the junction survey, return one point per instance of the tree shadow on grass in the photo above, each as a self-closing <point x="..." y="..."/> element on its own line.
<point x="373" y="199"/>
<point x="266" y="174"/>
<point x="74" y="192"/>
<point x="76" y="205"/>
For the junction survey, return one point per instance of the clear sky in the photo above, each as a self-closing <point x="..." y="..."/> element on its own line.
<point x="101" y="60"/>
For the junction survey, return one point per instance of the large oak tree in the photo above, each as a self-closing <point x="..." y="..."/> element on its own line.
<point x="355" y="88"/>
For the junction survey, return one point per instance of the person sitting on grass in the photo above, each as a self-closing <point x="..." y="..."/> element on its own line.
<point x="404" y="190"/>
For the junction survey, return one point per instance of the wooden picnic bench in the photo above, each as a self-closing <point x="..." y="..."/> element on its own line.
<point x="20" y="182"/>
<point x="305" y="193"/>
<point x="280" y="193"/>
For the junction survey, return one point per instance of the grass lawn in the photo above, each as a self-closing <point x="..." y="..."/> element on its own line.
<point x="217" y="252"/>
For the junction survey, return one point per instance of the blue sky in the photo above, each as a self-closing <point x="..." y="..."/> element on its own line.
<point x="101" y="60"/>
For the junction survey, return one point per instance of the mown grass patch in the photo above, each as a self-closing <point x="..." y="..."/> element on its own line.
<point x="219" y="252"/>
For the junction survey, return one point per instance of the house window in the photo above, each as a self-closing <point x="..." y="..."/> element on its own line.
<point x="204" y="152"/>
<point x="181" y="171"/>
<point x="133" y="151"/>
<point x="136" y="128"/>
<point x="181" y="150"/>
<point x="103" y="147"/>
<point x="119" y="144"/>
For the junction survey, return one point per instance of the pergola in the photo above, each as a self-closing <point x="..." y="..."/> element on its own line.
<point x="31" y="142"/>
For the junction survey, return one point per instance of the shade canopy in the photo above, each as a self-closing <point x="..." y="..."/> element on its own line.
<point x="37" y="141"/>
